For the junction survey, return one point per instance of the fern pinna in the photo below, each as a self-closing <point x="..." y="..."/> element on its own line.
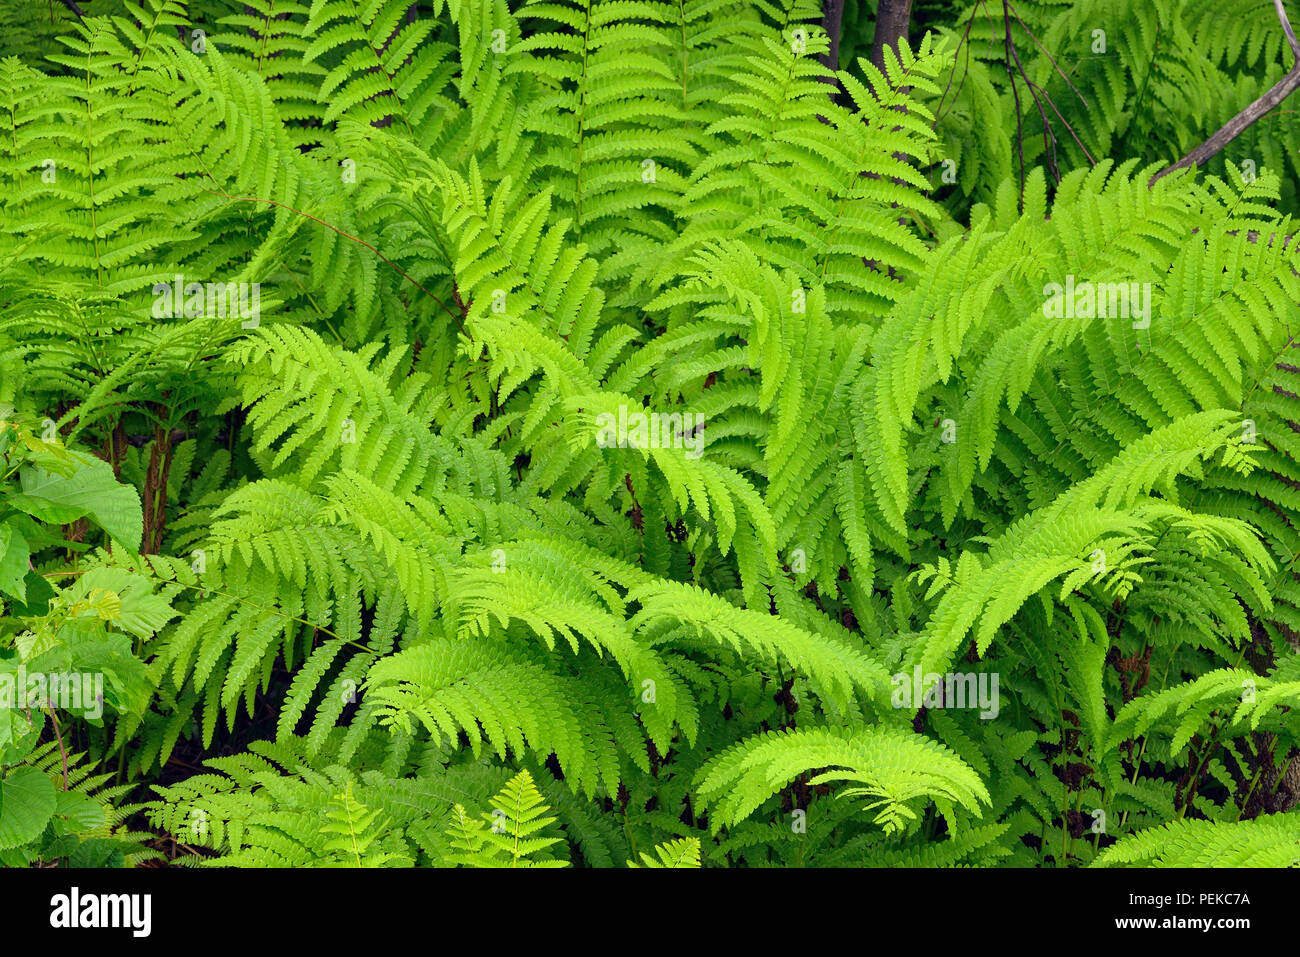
<point x="639" y="452"/>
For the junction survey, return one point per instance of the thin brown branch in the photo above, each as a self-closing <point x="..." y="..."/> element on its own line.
<point x="1069" y="129"/>
<point x="1015" y="93"/>
<point x="1235" y="126"/>
<point x="1049" y="138"/>
<point x="1050" y="59"/>
<point x="1286" y="28"/>
<point x="962" y="44"/>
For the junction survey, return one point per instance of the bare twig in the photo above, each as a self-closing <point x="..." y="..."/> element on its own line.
<point x="961" y="44"/>
<point x="1049" y="138"/>
<point x="1286" y="28"/>
<point x="1050" y="59"/>
<point x="1015" y="93"/>
<point x="1234" y="127"/>
<point x="81" y="14"/>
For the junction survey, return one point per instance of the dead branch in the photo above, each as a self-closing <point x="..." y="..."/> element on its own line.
<point x="1234" y="127"/>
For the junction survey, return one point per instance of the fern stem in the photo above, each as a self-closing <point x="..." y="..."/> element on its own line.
<point x="269" y="609"/>
<point x="58" y="736"/>
<point x="348" y="236"/>
<point x="1241" y="808"/>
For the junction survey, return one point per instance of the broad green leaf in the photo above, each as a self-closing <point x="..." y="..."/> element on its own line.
<point x="90" y="491"/>
<point x="14" y="555"/>
<point x="27" y="801"/>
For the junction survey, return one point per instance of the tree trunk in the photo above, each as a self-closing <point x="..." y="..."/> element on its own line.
<point x="832" y="17"/>
<point x="893" y="17"/>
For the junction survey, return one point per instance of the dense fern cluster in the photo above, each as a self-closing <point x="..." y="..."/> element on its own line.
<point x="486" y="433"/>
